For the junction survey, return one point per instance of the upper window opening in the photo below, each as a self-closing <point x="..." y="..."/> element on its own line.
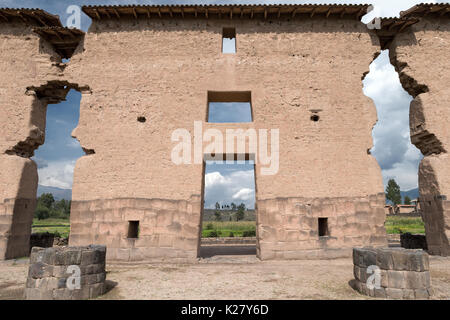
<point x="229" y="40"/>
<point x="229" y="106"/>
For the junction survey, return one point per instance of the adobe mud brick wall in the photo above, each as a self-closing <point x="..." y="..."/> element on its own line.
<point x="25" y="61"/>
<point x="48" y="273"/>
<point x="421" y="57"/>
<point x="404" y="273"/>
<point x="162" y="69"/>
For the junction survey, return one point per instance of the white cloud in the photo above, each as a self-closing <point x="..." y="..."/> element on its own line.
<point x="57" y="174"/>
<point x="244" y="194"/>
<point x="225" y="188"/>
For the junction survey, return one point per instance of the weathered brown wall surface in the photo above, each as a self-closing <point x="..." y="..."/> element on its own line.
<point x="162" y="69"/>
<point x="421" y="56"/>
<point x="25" y="61"/>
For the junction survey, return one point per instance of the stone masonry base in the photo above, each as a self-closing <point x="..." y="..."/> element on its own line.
<point x="52" y="271"/>
<point x="402" y="273"/>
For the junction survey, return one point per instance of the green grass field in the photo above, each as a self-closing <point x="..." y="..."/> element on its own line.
<point x="394" y="225"/>
<point x="62" y="226"/>
<point x="225" y="228"/>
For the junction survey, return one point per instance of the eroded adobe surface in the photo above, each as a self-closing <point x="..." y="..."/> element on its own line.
<point x="162" y="69"/>
<point x="25" y="61"/>
<point x="421" y="56"/>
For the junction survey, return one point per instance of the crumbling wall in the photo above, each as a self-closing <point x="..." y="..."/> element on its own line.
<point x="25" y="61"/>
<point x="162" y="69"/>
<point x="421" y="57"/>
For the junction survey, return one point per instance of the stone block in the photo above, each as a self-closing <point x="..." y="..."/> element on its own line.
<point x="96" y="290"/>
<point x="88" y="257"/>
<point x="40" y="270"/>
<point x="380" y="293"/>
<point x="384" y="259"/>
<point x="394" y="293"/>
<point x="408" y="294"/>
<point x="418" y="260"/>
<point x="400" y="260"/>
<point x="396" y="279"/>
<point x="421" y="294"/>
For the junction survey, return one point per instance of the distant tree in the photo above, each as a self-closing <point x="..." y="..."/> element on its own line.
<point x="217" y="216"/>
<point x="393" y="192"/>
<point x="217" y="206"/>
<point x="42" y="212"/>
<point x="240" y="214"/>
<point x="407" y="200"/>
<point x="47" y="200"/>
<point x="233" y="206"/>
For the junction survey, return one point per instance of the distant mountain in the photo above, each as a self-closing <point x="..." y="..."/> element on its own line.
<point x="412" y="194"/>
<point x="58" y="193"/>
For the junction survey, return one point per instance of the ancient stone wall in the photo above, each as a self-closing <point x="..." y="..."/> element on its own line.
<point x="66" y="273"/>
<point x="288" y="228"/>
<point x="162" y="69"/>
<point x="25" y="61"/>
<point x="413" y="241"/>
<point x="421" y="57"/>
<point x="401" y="273"/>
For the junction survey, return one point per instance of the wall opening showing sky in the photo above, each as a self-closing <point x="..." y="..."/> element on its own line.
<point x="229" y="112"/>
<point x="229" y="183"/>
<point x="57" y="156"/>
<point x="392" y="148"/>
<point x="397" y="157"/>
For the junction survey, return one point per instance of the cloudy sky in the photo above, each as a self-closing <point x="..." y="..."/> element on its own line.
<point x="392" y="148"/>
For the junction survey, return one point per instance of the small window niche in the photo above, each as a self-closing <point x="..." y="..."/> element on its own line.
<point x="229" y="107"/>
<point x="323" y="227"/>
<point x="229" y="40"/>
<point x="133" y="229"/>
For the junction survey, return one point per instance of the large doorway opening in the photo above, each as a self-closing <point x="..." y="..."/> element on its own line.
<point x="55" y="160"/>
<point x="398" y="158"/>
<point x="229" y="208"/>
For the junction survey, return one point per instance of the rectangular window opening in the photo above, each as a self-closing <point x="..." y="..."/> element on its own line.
<point x="229" y="107"/>
<point x="323" y="227"/>
<point x="229" y="40"/>
<point x="133" y="229"/>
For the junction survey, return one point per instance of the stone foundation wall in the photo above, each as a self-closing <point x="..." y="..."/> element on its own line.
<point x="16" y="218"/>
<point x="168" y="229"/>
<point x="42" y="240"/>
<point x="288" y="228"/>
<point x="413" y="241"/>
<point x="50" y="275"/>
<point x="404" y="274"/>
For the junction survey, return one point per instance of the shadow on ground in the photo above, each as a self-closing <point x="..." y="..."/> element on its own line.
<point x="234" y="250"/>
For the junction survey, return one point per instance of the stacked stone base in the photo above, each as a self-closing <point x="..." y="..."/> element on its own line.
<point x="403" y="274"/>
<point x="51" y="273"/>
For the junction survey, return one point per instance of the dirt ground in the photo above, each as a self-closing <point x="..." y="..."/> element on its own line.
<point x="227" y="277"/>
